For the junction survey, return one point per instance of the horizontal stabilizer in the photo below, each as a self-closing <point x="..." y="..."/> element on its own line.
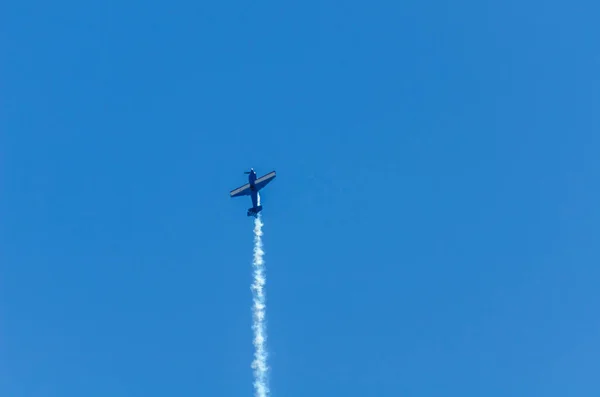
<point x="254" y="211"/>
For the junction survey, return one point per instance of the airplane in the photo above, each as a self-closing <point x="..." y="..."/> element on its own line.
<point x="252" y="188"/>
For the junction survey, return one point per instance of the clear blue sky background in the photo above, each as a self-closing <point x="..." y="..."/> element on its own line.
<point x="433" y="229"/>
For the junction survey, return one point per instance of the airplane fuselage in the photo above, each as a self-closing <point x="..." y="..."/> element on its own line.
<point x="253" y="195"/>
<point x="252" y="178"/>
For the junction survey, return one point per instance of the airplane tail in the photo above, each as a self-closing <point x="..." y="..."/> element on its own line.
<point x="254" y="211"/>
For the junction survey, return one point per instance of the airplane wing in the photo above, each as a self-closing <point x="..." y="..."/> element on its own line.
<point x="241" y="191"/>
<point x="263" y="180"/>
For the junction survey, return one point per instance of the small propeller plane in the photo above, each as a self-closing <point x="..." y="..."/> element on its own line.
<point x="252" y="188"/>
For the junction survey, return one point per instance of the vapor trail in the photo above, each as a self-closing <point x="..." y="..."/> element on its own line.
<point x="259" y="364"/>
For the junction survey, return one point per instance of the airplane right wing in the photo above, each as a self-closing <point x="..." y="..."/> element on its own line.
<point x="241" y="191"/>
<point x="263" y="180"/>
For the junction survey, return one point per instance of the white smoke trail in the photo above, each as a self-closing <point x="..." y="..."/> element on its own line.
<point x="259" y="364"/>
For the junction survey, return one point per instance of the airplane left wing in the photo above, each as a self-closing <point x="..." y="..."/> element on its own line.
<point x="241" y="191"/>
<point x="263" y="180"/>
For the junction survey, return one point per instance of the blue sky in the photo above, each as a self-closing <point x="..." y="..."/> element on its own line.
<point x="432" y="230"/>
